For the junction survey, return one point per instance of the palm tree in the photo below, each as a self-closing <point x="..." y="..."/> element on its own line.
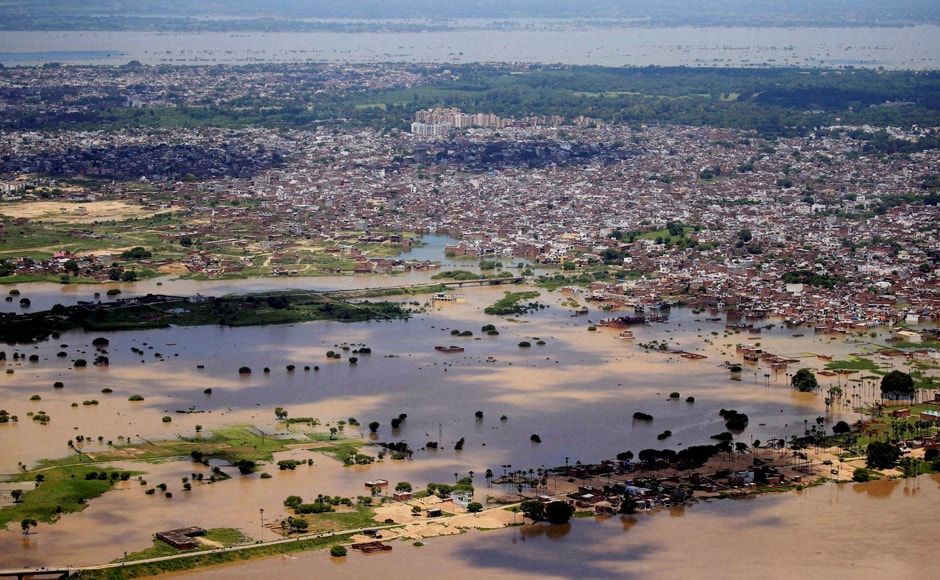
<point x="489" y="477"/>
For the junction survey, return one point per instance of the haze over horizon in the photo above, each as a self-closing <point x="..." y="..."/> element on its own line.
<point x="287" y="15"/>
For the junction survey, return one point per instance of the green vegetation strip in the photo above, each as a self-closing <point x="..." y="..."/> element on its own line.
<point x="212" y="558"/>
<point x="509" y="304"/>
<point x="225" y="536"/>
<point x="854" y="363"/>
<point x="457" y="275"/>
<point x="59" y="489"/>
<point x="157" y="311"/>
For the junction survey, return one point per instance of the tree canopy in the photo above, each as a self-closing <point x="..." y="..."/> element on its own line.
<point x="841" y="428"/>
<point x="804" y="380"/>
<point x="882" y="455"/>
<point x="897" y="385"/>
<point x="558" y="512"/>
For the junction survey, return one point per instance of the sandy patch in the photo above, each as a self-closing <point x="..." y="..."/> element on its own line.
<point x="208" y="542"/>
<point x="80" y="213"/>
<point x="455" y="520"/>
<point x="174" y="269"/>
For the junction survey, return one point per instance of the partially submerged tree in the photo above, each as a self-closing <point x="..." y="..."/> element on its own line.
<point x="804" y="380"/>
<point x="897" y="385"/>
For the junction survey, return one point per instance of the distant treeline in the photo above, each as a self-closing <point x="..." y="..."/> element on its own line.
<point x="772" y="101"/>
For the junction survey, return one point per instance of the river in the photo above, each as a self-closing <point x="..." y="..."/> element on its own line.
<point x="914" y="47"/>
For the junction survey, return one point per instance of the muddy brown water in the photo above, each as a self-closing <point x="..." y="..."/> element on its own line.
<point x="578" y="392"/>
<point x="832" y="531"/>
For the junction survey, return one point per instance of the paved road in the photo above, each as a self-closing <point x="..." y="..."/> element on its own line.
<point x="67" y="569"/>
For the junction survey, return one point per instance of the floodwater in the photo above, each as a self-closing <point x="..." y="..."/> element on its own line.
<point x="874" y="530"/>
<point x="578" y="391"/>
<point x="913" y="47"/>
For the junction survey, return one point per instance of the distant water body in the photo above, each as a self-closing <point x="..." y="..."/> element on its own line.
<point x="915" y="47"/>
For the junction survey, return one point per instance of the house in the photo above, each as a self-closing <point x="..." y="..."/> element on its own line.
<point x="181" y="538"/>
<point x="461" y="498"/>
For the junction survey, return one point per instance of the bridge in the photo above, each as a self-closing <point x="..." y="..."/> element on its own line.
<point x="430" y="287"/>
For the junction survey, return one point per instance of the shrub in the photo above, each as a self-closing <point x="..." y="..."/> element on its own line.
<point x="135" y="398"/>
<point x="474" y="507"/>
<point x="244" y="370"/>
<point x="338" y="551"/>
<point x="245" y="466"/>
<point x="534" y="438"/>
<point x="525" y="344"/>
<point x="638" y="416"/>
<point x="166" y="419"/>
<point x="861" y="475"/>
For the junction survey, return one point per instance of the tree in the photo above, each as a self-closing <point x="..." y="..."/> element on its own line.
<point x="338" y="551"/>
<point x="558" y="512"/>
<point x="245" y="466"/>
<point x="804" y="380"/>
<point x="16" y="494"/>
<point x="882" y="455"/>
<point x="533" y="509"/>
<point x="897" y="385"/>
<point x="403" y="487"/>
<point x="474" y="507"/>
<point x="280" y="413"/>
<point x="26" y="524"/>
<point x="841" y="428"/>
<point x="373" y="426"/>
<point x="628" y="504"/>
<point x="136" y="253"/>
